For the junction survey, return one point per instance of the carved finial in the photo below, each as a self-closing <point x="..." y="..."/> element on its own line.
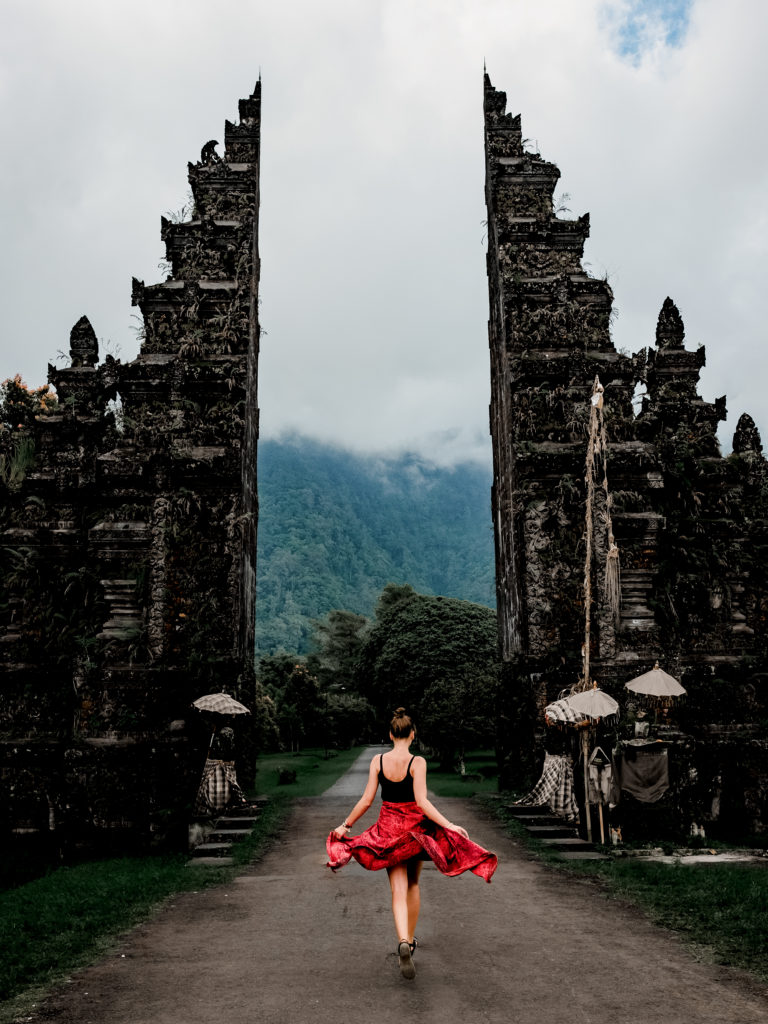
<point x="669" y="329"/>
<point x="83" y="345"/>
<point x="495" y="99"/>
<point x="747" y="436"/>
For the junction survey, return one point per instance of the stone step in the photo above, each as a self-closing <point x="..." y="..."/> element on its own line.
<point x="568" y="843"/>
<point x="228" y="835"/>
<point x="555" y="833"/>
<point x="520" y="811"/>
<point x="212" y="850"/>
<point x="237" y="822"/>
<point x="531" y="819"/>
<point x="551" y="831"/>
<point x="249" y="809"/>
<point x="540" y="819"/>
<point x="230" y="828"/>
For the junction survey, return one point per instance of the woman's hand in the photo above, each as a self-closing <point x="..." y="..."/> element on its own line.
<point x="459" y="829"/>
<point x="341" y="831"/>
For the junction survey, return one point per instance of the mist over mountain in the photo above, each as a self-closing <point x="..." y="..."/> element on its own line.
<point x="336" y="526"/>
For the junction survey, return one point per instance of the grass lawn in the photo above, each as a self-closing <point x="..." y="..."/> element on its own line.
<point x="69" y="917"/>
<point x="720" y="908"/>
<point x="314" y="771"/>
<point x="477" y="763"/>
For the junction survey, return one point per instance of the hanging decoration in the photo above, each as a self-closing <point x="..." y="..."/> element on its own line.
<point x="597" y="452"/>
<point x="588" y="698"/>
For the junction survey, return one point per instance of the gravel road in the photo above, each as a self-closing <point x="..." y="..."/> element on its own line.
<point x="290" y="942"/>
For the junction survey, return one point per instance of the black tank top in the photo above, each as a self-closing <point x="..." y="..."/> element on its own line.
<point x="396" y="792"/>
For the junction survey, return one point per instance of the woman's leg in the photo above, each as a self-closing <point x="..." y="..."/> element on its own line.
<point x="398" y="881"/>
<point x="413" y="896"/>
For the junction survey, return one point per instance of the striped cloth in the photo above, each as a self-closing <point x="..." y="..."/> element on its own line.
<point x="555" y="787"/>
<point x="560" y="712"/>
<point x="218" y="788"/>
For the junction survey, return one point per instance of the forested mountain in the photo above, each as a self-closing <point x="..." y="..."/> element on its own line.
<point x="335" y="527"/>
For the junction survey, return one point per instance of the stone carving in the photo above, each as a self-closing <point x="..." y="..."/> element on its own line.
<point x="83" y="346"/>
<point x="669" y="329"/>
<point x="747" y="436"/>
<point x="208" y="154"/>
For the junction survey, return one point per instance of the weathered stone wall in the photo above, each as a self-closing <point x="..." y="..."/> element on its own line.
<point x="128" y="550"/>
<point x="689" y="523"/>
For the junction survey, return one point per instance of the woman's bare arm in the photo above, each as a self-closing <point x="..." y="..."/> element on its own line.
<point x="420" y="796"/>
<point x="364" y="802"/>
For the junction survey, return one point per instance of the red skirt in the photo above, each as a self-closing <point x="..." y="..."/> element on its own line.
<point x="403" y="833"/>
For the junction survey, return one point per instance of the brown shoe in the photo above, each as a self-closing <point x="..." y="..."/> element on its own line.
<point x="407" y="968"/>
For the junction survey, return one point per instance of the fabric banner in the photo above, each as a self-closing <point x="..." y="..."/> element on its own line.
<point x="644" y="771"/>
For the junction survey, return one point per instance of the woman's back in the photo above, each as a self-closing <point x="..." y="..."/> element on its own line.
<point x="396" y="765"/>
<point x="395" y="778"/>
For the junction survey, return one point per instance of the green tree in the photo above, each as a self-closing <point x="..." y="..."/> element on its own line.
<point x="265" y="731"/>
<point x="299" y="709"/>
<point x="391" y="596"/>
<point x="348" y="718"/>
<point x="425" y="648"/>
<point x="459" y="714"/>
<point x="274" y="671"/>
<point x="337" y="641"/>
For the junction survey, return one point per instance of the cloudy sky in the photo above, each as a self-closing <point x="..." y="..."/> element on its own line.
<point x="374" y="295"/>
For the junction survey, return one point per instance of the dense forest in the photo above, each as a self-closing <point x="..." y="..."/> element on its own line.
<point x="335" y="527"/>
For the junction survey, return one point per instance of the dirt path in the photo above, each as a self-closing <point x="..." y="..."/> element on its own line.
<point x="289" y="942"/>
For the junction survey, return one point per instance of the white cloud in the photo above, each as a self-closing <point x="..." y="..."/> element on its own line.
<point x="374" y="291"/>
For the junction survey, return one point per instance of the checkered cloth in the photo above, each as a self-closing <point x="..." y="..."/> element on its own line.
<point x="555" y="787"/>
<point x="218" y="788"/>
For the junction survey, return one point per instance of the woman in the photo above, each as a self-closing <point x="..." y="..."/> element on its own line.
<point x="409" y="830"/>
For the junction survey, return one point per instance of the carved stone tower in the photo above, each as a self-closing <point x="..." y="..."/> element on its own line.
<point x="686" y="520"/>
<point x="129" y="549"/>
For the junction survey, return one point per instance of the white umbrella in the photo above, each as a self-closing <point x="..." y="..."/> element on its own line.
<point x="594" y="703"/>
<point x="578" y="708"/>
<point x="656" y="683"/>
<point x="221" y="704"/>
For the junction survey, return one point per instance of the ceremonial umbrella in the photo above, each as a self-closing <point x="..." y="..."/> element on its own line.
<point x="582" y="709"/>
<point x="221" y="704"/>
<point x="658" y="686"/>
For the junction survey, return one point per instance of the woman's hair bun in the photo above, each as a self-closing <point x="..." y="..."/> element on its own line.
<point x="401" y="724"/>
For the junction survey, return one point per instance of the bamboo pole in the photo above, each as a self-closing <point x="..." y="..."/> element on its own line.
<point x="587" y="809"/>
